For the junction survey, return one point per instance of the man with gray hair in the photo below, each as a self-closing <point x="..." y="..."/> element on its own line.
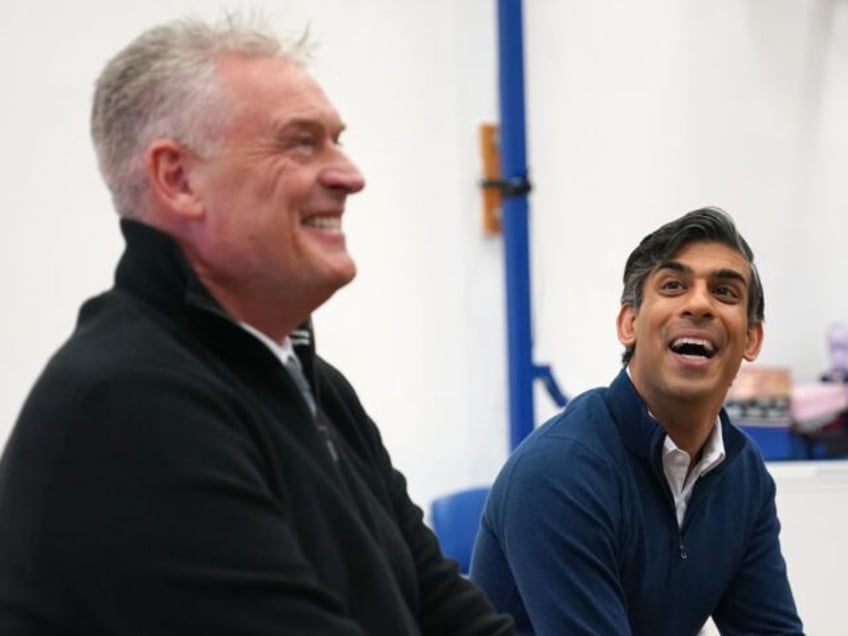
<point x="186" y="463"/>
<point x="641" y="509"/>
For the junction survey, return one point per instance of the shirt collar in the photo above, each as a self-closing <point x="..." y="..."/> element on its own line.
<point x="282" y="350"/>
<point x="713" y="453"/>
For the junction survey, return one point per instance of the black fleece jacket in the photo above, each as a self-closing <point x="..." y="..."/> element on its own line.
<point x="166" y="477"/>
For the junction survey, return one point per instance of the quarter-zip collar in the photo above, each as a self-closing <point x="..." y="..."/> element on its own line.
<point x="154" y="269"/>
<point x="642" y="435"/>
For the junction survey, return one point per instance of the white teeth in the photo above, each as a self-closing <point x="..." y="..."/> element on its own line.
<point x="693" y="341"/>
<point x="324" y="222"/>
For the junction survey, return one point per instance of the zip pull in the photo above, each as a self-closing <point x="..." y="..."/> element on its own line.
<point x="325" y="433"/>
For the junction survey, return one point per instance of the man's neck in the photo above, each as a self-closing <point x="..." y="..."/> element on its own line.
<point x="688" y="422"/>
<point x="275" y="310"/>
<point x="689" y="426"/>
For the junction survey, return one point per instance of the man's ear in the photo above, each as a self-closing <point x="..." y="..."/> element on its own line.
<point x="625" y="324"/>
<point x="167" y="164"/>
<point x="754" y="341"/>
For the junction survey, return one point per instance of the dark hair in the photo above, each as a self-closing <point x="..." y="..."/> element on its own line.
<point x="705" y="224"/>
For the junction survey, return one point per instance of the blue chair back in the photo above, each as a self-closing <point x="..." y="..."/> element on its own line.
<point x="456" y="520"/>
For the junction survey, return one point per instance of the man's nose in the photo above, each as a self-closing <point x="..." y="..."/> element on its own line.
<point x="343" y="174"/>
<point x="699" y="301"/>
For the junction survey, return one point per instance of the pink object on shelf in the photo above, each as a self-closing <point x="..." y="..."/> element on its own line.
<point x="815" y="404"/>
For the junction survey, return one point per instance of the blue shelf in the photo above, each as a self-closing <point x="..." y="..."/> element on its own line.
<point x="777" y="443"/>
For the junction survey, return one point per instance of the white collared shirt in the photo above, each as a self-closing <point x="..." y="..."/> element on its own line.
<point x="676" y="466"/>
<point x="283" y="350"/>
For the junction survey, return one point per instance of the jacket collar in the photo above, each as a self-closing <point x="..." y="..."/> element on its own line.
<point x="641" y="434"/>
<point x="154" y="269"/>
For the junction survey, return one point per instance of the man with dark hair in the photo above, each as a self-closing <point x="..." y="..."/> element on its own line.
<point x="186" y="464"/>
<point x="641" y="509"/>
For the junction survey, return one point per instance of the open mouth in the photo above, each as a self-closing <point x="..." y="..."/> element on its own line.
<point x="693" y="348"/>
<point x="329" y="222"/>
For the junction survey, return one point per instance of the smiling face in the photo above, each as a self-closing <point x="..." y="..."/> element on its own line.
<point x="691" y="331"/>
<point x="272" y="194"/>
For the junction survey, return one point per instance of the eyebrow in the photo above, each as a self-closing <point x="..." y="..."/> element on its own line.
<point x="725" y="273"/>
<point x="730" y="274"/>
<point x="675" y="266"/>
<point x="308" y="123"/>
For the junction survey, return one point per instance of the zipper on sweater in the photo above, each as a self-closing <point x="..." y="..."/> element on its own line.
<point x="681" y="547"/>
<point x="692" y="508"/>
<point x="324" y="432"/>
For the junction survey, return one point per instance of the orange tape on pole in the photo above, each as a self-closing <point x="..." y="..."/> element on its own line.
<point x="490" y="152"/>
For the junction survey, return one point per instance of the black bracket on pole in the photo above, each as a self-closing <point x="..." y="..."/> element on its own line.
<point x="514" y="187"/>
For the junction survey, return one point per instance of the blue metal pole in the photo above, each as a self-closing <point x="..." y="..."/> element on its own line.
<point x="514" y="219"/>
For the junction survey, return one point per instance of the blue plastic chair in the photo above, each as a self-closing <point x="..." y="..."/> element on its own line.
<point x="456" y="520"/>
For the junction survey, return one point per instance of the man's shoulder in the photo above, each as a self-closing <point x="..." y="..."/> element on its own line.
<point x="586" y="418"/>
<point x="574" y="459"/>
<point x="113" y="343"/>
<point x="582" y="433"/>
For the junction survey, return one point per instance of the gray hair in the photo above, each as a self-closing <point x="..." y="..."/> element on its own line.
<point x="704" y="224"/>
<point x="164" y="84"/>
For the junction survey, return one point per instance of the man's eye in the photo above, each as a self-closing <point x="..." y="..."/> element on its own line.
<point x="301" y="143"/>
<point x="727" y="292"/>
<point x="305" y="142"/>
<point x="671" y="285"/>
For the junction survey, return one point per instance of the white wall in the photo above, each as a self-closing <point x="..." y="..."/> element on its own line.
<point x="637" y="112"/>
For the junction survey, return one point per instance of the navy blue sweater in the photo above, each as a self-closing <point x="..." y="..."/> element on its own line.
<point x="580" y="535"/>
